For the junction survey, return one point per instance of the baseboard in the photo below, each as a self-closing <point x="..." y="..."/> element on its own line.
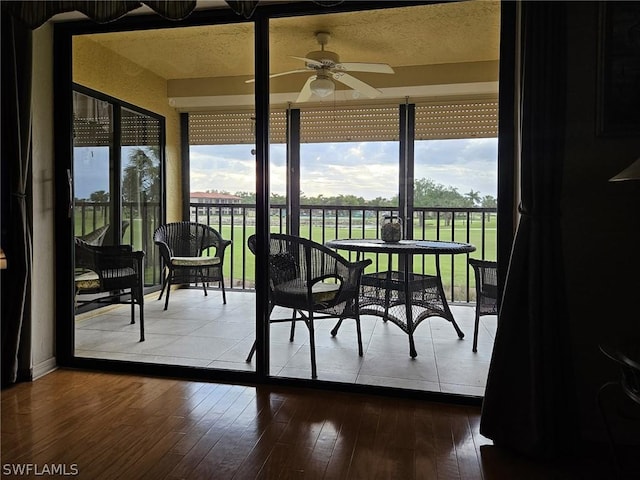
<point x="45" y="367"/>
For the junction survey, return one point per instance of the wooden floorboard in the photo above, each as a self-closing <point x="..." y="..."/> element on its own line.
<point x="113" y="426"/>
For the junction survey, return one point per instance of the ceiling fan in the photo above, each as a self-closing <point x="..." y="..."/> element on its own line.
<point x="327" y="67"/>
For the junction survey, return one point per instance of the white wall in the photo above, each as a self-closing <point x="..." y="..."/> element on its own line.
<point x="43" y="293"/>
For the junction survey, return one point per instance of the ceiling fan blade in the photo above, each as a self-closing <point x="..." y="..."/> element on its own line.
<point x="280" y="74"/>
<point x="310" y="61"/>
<point x="306" y="93"/>
<point x="356" y="84"/>
<point x="302" y="70"/>
<point x="364" y="67"/>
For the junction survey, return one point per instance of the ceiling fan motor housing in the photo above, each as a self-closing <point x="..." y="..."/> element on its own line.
<point x="327" y="58"/>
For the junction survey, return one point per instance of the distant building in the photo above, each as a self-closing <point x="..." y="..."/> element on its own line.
<point x="214" y="198"/>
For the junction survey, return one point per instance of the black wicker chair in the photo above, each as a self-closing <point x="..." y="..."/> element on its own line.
<point x="110" y="270"/>
<point x="486" y="292"/>
<point x="182" y="245"/>
<point x="627" y="358"/>
<point x="95" y="238"/>
<point x="99" y="235"/>
<point x="315" y="282"/>
<point x="251" y="243"/>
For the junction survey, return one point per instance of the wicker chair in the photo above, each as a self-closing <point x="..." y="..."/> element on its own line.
<point x="313" y="281"/>
<point x="110" y="270"/>
<point x="98" y="236"/>
<point x="95" y="238"/>
<point x="182" y="245"/>
<point x="251" y="243"/>
<point x="486" y="292"/>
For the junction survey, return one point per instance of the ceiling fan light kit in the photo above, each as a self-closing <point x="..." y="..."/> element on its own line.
<point x="322" y="86"/>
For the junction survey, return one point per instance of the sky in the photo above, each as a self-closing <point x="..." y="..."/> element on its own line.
<point x="90" y="170"/>
<point x="364" y="169"/>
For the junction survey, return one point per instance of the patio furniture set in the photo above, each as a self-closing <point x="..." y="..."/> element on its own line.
<point x="310" y="279"/>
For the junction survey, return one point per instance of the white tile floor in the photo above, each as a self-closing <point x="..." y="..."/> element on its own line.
<point x="201" y="331"/>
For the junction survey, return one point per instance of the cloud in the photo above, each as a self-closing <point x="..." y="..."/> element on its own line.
<point x="366" y="169"/>
<point x="349" y="153"/>
<point x="455" y="151"/>
<point x="363" y="180"/>
<point x="226" y="168"/>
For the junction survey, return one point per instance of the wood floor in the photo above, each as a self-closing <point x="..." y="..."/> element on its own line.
<point x="111" y="426"/>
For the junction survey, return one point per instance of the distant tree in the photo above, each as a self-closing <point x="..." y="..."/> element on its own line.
<point x="489" y="201"/>
<point x="472" y="197"/>
<point x="428" y="193"/>
<point x="99" y="196"/>
<point x="277" y="199"/>
<point x="381" y="202"/>
<point x="318" y="200"/>
<point x="141" y="176"/>
<point x="247" y="197"/>
<point x="349" y="200"/>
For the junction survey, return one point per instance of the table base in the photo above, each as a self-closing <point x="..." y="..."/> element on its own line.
<point x="385" y="294"/>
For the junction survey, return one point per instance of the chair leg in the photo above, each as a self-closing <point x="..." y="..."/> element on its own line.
<point x="133" y="307"/>
<point x="224" y="294"/>
<point x="204" y="286"/>
<point x="475" y="330"/>
<point x="312" y="345"/>
<point x="251" y="352"/>
<point x="359" y="332"/>
<point x="166" y="299"/>
<point x="293" y="326"/>
<point x="335" y="329"/>
<point x="141" y="306"/>
<point x="253" y="347"/>
<point x="164" y="283"/>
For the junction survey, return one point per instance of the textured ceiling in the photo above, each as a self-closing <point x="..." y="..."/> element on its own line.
<point x="456" y="32"/>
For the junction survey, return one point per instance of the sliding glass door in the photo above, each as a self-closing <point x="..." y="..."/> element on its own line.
<point x="332" y="162"/>
<point x="92" y="170"/>
<point x="141" y="185"/>
<point x="117" y="190"/>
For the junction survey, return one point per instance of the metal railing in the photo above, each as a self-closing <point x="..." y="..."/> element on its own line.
<point x="320" y="223"/>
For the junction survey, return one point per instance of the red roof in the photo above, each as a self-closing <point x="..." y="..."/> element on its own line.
<point x="214" y="195"/>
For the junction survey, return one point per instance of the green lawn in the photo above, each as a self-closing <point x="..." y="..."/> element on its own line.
<point x="454" y="268"/>
<point x="462" y="274"/>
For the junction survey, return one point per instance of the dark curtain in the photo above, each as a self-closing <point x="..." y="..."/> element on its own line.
<point x="247" y="7"/>
<point x="528" y="398"/>
<point x="16" y="171"/>
<point x="35" y="13"/>
<point x="243" y="7"/>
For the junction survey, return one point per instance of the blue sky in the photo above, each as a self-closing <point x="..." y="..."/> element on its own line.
<point x="90" y="170"/>
<point x="365" y="169"/>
